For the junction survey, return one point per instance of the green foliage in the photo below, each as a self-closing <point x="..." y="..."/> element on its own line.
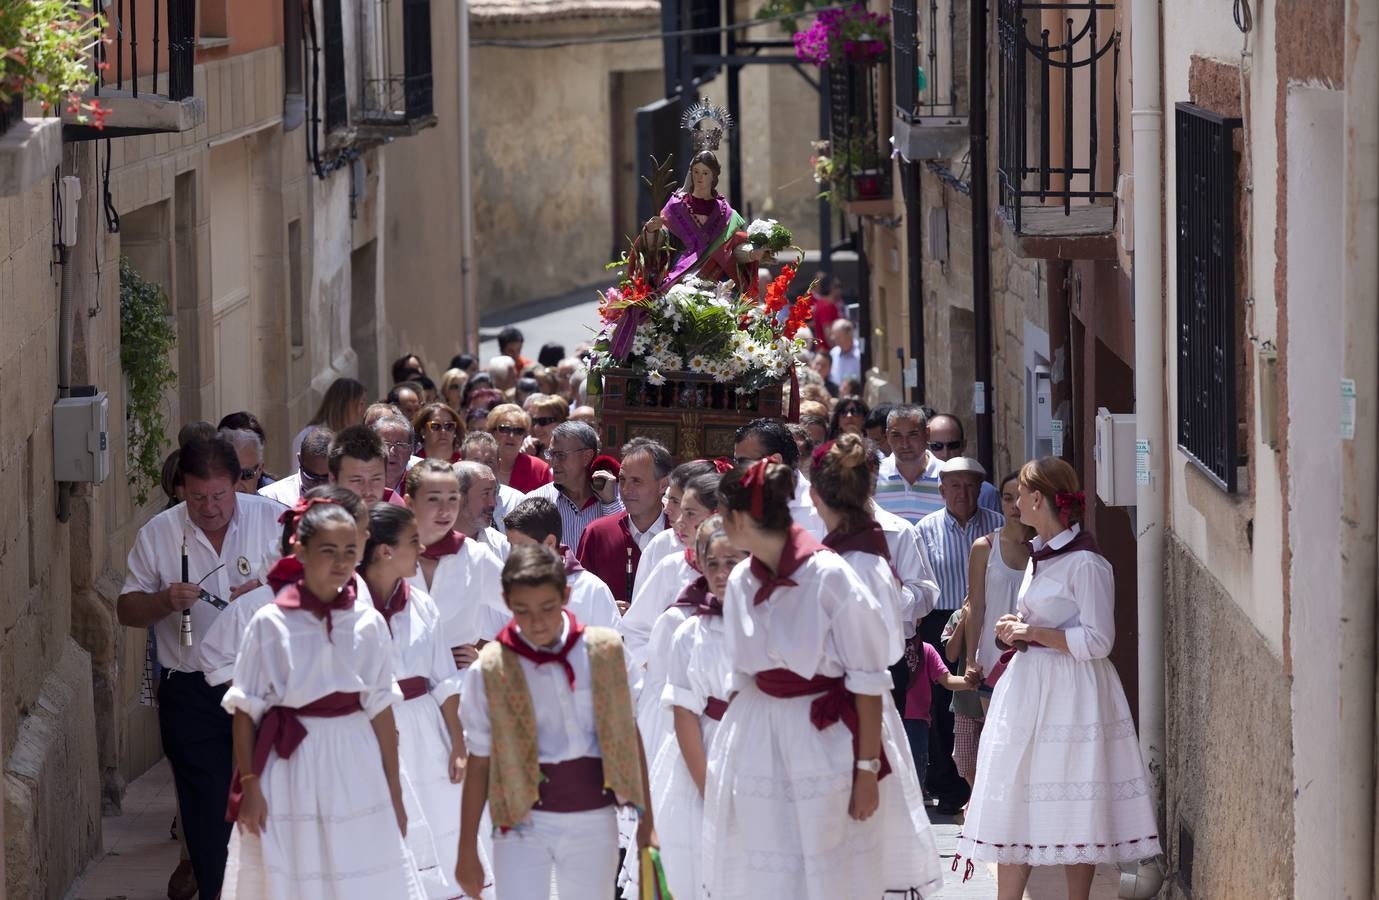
<point x="45" y="53"/>
<point x="790" y="9"/>
<point x="147" y="334"/>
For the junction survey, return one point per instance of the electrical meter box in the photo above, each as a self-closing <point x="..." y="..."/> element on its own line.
<point x="1115" y="457"/>
<point x="81" y="445"/>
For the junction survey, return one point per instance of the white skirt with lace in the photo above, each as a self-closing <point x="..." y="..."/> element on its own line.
<point x="1060" y="779"/>
<point x="776" y="820"/>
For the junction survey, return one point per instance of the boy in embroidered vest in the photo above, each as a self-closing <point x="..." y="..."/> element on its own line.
<point x="553" y="745"/>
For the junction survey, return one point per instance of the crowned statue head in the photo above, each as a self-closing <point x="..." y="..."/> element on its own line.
<point x="707" y="124"/>
<point x="702" y="180"/>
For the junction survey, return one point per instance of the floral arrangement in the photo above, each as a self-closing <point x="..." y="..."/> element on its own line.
<point x="702" y="327"/>
<point x="45" y="50"/>
<point x="770" y="234"/>
<point x="850" y="34"/>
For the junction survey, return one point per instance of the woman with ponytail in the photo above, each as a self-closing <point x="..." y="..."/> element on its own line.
<point x="807" y="794"/>
<point x="430" y="739"/>
<point x="1060" y="780"/>
<point x="317" y="795"/>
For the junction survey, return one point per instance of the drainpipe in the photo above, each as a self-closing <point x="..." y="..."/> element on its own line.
<point x="981" y="233"/>
<point x="470" y="300"/>
<point x="1146" y="122"/>
<point x="69" y="189"/>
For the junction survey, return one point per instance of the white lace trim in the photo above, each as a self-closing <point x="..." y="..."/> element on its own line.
<point x="1082" y="734"/>
<point x="1055" y="791"/>
<point x="810" y="788"/>
<point x="1061" y="854"/>
<point x="351" y="816"/>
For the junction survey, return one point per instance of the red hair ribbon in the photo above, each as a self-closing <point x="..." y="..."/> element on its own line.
<point x="821" y="451"/>
<point x="1065" y="501"/>
<point x="723" y="465"/>
<point x="294" y="513"/>
<point x="755" y="481"/>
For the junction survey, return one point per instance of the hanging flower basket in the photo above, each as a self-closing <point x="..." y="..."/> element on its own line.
<point x="45" y="54"/>
<point x="852" y="34"/>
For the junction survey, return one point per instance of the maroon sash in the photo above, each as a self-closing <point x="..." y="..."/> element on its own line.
<point x="575" y="785"/>
<point x="414" y="687"/>
<point x="715" y="708"/>
<point x="834" y="704"/>
<point x="282" y="730"/>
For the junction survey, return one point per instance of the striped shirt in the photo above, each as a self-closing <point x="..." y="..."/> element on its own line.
<point x="911" y="502"/>
<point x="574" y="519"/>
<point x="948" y="544"/>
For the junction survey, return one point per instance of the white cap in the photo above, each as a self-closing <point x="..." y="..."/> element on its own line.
<point x="962" y="464"/>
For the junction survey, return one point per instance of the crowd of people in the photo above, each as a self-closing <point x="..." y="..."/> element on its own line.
<point x="464" y="650"/>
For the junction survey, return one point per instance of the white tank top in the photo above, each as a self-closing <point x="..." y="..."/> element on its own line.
<point x="1002" y="589"/>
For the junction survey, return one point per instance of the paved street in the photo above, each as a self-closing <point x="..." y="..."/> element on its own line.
<point x="567" y="319"/>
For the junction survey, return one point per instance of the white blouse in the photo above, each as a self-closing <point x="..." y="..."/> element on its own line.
<point x="658" y="548"/>
<point x="419" y="648"/>
<point x="287" y="660"/>
<point x="661" y="589"/>
<point x="592" y="602"/>
<point x="565" y="728"/>
<point x="1075" y="593"/>
<point x="467" y="589"/>
<point x="875" y="573"/>
<point x="697" y="667"/>
<point x="828" y="624"/>
<point x="911" y="565"/>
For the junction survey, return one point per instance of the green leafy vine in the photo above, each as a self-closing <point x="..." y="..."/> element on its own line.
<point x="147" y="334"/>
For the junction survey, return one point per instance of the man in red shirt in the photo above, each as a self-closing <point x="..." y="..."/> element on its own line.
<point x="827" y="307"/>
<point x="611" y="547"/>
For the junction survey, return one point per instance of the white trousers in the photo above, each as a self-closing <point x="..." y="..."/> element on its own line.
<point x="581" y="849"/>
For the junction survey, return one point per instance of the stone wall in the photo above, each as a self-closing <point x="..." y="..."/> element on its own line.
<point x="1229" y="778"/>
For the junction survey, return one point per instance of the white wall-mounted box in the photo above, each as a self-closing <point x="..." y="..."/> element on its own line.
<point x="81" y="446"/>
<point x="1115" y="457"/>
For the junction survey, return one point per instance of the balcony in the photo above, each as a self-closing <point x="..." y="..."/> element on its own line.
<point x="398" y="89"/>
<point x="930" y="69"/>
<point x="144" y="70"/>
<point x="1059" y="64"/>
<point x="30" y="149"/>
<point x="863" y="167"/>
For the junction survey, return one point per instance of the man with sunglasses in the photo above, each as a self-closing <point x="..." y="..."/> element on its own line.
<point x="312" y="470"/>
<point x="249" y="450"/>
<point x="223" y="542"/>
<point x="947" y="441"/>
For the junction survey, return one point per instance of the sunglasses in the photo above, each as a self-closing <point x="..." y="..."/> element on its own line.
<point x="311" y="479"/>
<point x="511" y="430"/>
<point x="397" y="446"/>
<point x="938" y="446"/>
<point x="543" y="421"/>
<point x="437" y="425"/>
<point x="852" y="411"/>
<point x="246" y="474"/>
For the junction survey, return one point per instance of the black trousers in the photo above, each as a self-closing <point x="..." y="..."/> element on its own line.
<point x="942" y="780"/>
<point x="198" y="743"/>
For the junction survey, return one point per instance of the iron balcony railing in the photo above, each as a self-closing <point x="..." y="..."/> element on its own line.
<point x="400" y="88"/>
<point x="929" y="62"/>
<point x="1205" y="204"/>
<point x="146" y="38"/>
<point x="853" y="130"/>
<point x="1058" y="73"/>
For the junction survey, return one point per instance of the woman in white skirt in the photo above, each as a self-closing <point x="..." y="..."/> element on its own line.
<point x="697" y="694"/>
<point x="1060" y="780"/>
<point x="807" y="796"/>
<point x="321" y="815"/>
<point x="430" y="739"/>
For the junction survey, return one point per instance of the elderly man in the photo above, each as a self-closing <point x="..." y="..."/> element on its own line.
<point x="947" y="441"/>
<point x="503" y="371"/>
<point x="482" y="447"/>
<point x="945" y="538"/>
<point x="907" y="483"/>
<point x="222" y="542"/>
<point x="478" y="501"/>
<point x="312" y="468"/>
<point x="581" y="494"/>
<point x="407" y="397"/>
<point x="846" y="360"/>
<point x="770" y="439"/>
<point x="612" y="547"/>
<point x="249" y="450"/>
<point x="398" y="442"/>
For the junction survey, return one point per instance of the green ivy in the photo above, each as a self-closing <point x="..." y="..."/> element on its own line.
<point x="147" y="335"/>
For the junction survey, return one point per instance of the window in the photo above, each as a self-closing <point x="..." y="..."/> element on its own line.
<point x="292" y="47"/>
<point x="1205" y="204"/>
<point x="333" y="44"/>
<point x="295" y="312"/>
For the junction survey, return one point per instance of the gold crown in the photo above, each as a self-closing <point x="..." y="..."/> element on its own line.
<point x="719" y="119"/>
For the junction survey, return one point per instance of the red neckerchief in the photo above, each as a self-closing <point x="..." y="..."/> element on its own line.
<point x="867" y="539"/>
<point x="690" y="560"/>
<point x="396" y="603"/>
<point x="799" y="546"/>
<point x="446" y="546"/>
<point x="298" y="596"/>
<point x="572" y="566"/>
<point x="1083" y="540"/>
<point x="284" y="572"/>
<point x="510" y="637"/>
<point x="694" y="593"/>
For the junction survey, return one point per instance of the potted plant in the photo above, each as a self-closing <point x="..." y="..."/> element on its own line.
<point x="851" y="34"/>
<point x="46" y="48"/>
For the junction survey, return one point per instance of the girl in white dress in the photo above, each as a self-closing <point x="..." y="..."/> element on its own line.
<point x="321" y="815"/>
<point x="1060" y="780"/>
<point x="430" y="739"/>
<point x="807" y="794"/>
<point x="697" y="693"/>
<point x="460" y="574"/>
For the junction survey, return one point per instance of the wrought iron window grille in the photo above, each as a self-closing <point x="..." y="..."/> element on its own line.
<point x="854" y="133"/>
<point x="398" y="86"/>
<point x="1058" y="70"/>
<point x="930" y="59"/>
<point x="168" y="45"/>
<point x="1207" y="305"/>
<point x="333" y="47"/>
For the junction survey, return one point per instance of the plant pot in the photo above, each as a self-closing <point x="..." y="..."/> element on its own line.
<point x="867" y="184"/>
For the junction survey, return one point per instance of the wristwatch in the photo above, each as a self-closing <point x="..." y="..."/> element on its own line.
<point x="869" y="765"/>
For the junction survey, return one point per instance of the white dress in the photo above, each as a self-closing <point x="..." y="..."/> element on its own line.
<point x="776" y="820"/>
<point x="1060" y="779"/>
<point x="433" y="803"/>
<point x="331" y="832"/>
<point x="879" y="580"/>
<point x="658" y="592"/>
<point x="467" y="589"/>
